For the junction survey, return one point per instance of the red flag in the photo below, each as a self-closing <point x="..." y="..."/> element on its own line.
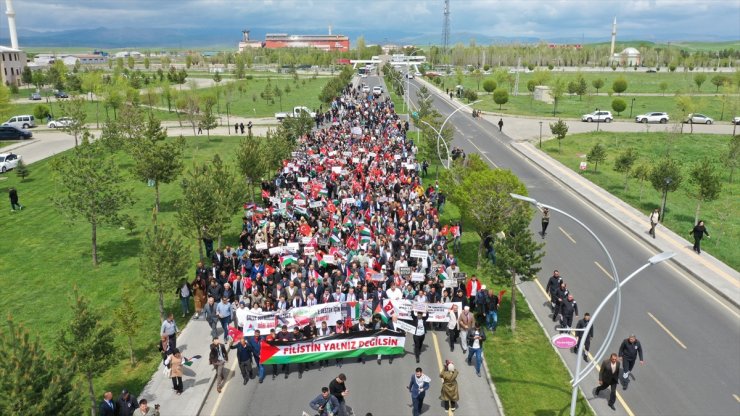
<point x="305" y="230"/>
<point x="265" y="194"/>
<point x="501" y="295"/>
<point x="445" y="230"/>
<point x="269" y="270"/>
<point x="234" y="333"/>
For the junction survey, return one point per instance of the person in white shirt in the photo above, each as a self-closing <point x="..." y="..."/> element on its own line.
<point x="394" y="293"/>
<point x="453" y="327"/>
<point x="241" y="315"/>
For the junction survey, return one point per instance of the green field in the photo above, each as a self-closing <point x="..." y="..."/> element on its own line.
<point x="46" y="254"/>
<point x="723" y="226"/>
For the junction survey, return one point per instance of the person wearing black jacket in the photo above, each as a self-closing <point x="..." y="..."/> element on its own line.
<point x="579" y="334"/>
<point x="568" y="310"/>
<point x="608" y="377"/>
<point x="418" y="321"/>
<point x="561" y="294"/>
<point x="244" y="355"/>
<point x="552" y="286"/>
<point x="628" y="353"/>
<point x="126" y="404"/>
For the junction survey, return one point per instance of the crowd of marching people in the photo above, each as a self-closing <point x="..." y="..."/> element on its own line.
<point x="354" y="196"/>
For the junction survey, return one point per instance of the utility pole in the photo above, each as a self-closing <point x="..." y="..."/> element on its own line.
<point x="446" y="29"/>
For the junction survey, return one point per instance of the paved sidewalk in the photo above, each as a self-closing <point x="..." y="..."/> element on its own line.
<point x="195" y="339"/>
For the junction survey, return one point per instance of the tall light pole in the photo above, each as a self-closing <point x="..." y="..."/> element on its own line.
<point x="631" y="105"/>
<point x="540" y="135"/>
<point x="579" y="375"/>
<point x="408" y="70"/>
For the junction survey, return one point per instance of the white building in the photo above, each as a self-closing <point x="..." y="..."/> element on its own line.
<point x="628" y="57"/>
<point x="12" y="62"/>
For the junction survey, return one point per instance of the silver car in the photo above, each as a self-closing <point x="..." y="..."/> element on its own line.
<point x="697" y="118"/>
<point x="656" y="117"/>
<point x="602" y="116"/>
<point x="60" y="123"/>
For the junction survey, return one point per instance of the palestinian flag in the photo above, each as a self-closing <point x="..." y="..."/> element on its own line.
<point x="442" y="275"/>
<point x="365" y="239"/>
<point x="324" y="192"/>
<point x="354" y="344"/>
<point x="300" y="211"/>
<point x="385" y="312"/>
<point x="260" y="210"/>
<point x="288" y="260"/>
<point x="300" y="195"/>
<point x="335" y="239"/>
<point x="365" y="231"/>
<point x="347" y="222"/>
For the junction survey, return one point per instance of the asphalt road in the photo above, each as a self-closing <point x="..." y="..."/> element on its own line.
<point x="690" y="337"/>
<point x="380" y="389"/>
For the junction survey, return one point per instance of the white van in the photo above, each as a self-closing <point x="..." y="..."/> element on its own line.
<point x="21" y="122"/>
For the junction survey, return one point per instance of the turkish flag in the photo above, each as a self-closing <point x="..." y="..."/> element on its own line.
<point x="265" y="194"/>
<point x="305" y="230"/>
<point x="445" y="230"/>
<point x="269" y="270"/>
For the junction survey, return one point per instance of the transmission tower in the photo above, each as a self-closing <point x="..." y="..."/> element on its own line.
<point x="446" y="29"/>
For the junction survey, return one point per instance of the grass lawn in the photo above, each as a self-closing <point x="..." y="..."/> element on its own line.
<point x="529" y="376"/>
<point x="722" y="224"/>
<point x="573" y="107"/>
<point x="45" y="257"/>
<point x="4" y="143"/>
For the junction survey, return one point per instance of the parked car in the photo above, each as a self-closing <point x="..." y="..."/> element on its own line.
<point x="35" y="96"/>
<point x="656" y="117"/>
<point x="8" y="161"/>
<point x="651" y="71"/>
<point x="697" y="118"/>
<point x="603" y="116"/>
<point x="21" y="122"/>
<point x="61" y="94"/>
<point x="14" y="133"/>
<point x="409" y="75"/>
<point x="60" y="123"/>
<point x="377" y="91"/>
<point x="365" y="88"/>
<point x="736" y="120"/>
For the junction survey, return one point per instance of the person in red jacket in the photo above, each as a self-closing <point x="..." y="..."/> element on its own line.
<point x="471" y="289"/>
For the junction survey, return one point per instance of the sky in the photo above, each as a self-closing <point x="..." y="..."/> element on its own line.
<point x="637" y="19"/>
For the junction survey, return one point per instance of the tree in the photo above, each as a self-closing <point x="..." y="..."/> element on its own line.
<point x="619" y="85"/>
<point x="732" y="157"/>
<point x="22" y="170"/>
<point x="618" y="105"/>
<point x="559" y="129"/>
<point x="665" y="176"/>
<point x="156" y="159"/>
<point x="164" y="260"/>
<point x="32" y="382"/>
<point x="706" y="181"/>
<point x="87" y="343"/>
<point x="581" y="87"/>
<point x="250" y="162"/>
<point x="518" y="255"/>
<point x="718" y="80"/>
<point x="557" y="90"/>
<point x="663" y="86"/>
<point x="598" y="84"/>
<point x="90" y="187"/>
<point x="500" y="97"/>
<point x="128" y="321"/>
<point x="197" y="212"/>
<point x="470" y="95"/>
<point x="596" y="154"/>
<point x="74" y="109"/>
<point x="208" y="120"/>
<point x="489" y="85"/>
<point x="147" y="63"/>
<point x="641" y="172"/>
<point x="41" y="111"/>
<point x="478" y="76"/>
<point x="699" y="79"/>
<point x="188" y="103"/>
<point x="27" y="75"/>
<point x="624" y="162"/>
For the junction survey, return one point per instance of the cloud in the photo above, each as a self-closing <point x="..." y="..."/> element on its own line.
<point x="538" y="18"/>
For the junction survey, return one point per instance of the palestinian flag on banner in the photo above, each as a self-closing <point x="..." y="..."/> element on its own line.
<point x="442" y="274"/>
<point x="288" y="260"/>
<point x="386" y="312"/>
<point x="353" y="344"/>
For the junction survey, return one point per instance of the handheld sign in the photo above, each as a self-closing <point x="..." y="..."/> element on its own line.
<point x="404" y="271"/>
<point x="309" y="251"/>
<point x="417" y="277"/>
<point x="260" y="246"/>
<point x="378" y="277"/>
<point x="419" y="307"/>
<point x="419" y="254"/>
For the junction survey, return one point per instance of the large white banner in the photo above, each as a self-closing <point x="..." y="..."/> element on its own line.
<point x="438" y="312"/>
<point x="325" y="312"/>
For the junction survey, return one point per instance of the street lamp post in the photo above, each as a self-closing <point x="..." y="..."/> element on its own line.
<point x="667" y="182"/>
<point x="540" y="135"/>
<point x="408" y="70"/>
<point x="631" y="105"/>
<point x="581" y="374"/>
<point x="598" y="119"/>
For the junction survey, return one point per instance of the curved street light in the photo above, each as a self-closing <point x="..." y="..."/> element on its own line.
<point x="581" y="374"/>
<point x="439" y="133"/>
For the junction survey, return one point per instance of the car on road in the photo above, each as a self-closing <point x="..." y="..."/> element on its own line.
<point x="25" y="121"/>
<point x="365" y="88"/>
<point x="417" y="73"/>
<point x="377" y="91"/>
<point x="651" y="71"/>
<point x="14" y="133"/>
<point x="655" y="117"/>
<point x="8" y="161"/>
<point x="736" y="120"/>
<point x="602" y="116"/>
<point x="409" y="75"/>
<point x="60" y="123"/>
<point x="35" y="96"/>
<point x="696" y="118"/>
<point x="61" y="94"/>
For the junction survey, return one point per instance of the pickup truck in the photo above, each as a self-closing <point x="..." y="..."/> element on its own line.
<point x="297" y="111"/>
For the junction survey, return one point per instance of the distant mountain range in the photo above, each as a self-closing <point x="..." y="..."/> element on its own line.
<point x="228" y="38"/>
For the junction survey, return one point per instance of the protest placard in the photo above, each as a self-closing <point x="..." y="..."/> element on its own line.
<point x="316" y="204"/>
<point x="404" y="271"/>
<point x="261" y="246"/>
<point x="419" y="254"/>
<point x="329" y="259"/>
<point x="450" y="282"/>
<point x="417" y="277"/>
<point x="306" y="240"/>
<point x="309" y="251"/>
<point x="419" y="307"/>
<point x="377" y="277"/>
<point x="276" y="250"/>
<point x="292" y="246"/>
<point x="302" y="179"/>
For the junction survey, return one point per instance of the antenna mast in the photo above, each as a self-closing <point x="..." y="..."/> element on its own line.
<point x="446" y="29"/>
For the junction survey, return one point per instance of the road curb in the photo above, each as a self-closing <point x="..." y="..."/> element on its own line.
<point x="489" y="379"/>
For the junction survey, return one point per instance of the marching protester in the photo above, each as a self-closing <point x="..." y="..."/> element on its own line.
<point x="325" y="403"/>
<point x="338" y="389"/>
<point x="476" y="338"/>
<point x="244" y="355"/>
<point x="450" y="394"/>
<point x="465" y="322"/>
<point x="418" y="387"/>
<point x="418" y="321"/>
<point x="453" y="327"/>
<point x="218" y="358"/>
<point x="629" y="351"/>
<point x="582" y="336"/>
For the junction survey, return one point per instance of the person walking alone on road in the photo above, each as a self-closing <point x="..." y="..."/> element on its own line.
<point x="501" y="124"/>
<point x="476" y="338"/>
<point x="450" y="393"/>
<point x="175" y="361"/>
<point x="579" y="334"/>
<point x="628" y="353"/>
<point x="13" y="195"/>
<point x="418" y="321"/>
<point x="545" y="221"/>
<point x="218" y="358"/>
<point x="699" y="231"/>
<point x="418" y="387"/>
<point x="608" y="377"/>
<point x="325" y="403"/>
<point x="654" y="219"/>
<point x="338" y="389"/>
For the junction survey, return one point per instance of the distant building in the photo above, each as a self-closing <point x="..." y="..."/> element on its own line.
<point x="69" y="59"/>
<point x="323" y="42"/>
<point x="126" y="54"/>
<point x="249" y="44"/>
<point x="628" y="57"/>
<point x="12" y="62"/>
